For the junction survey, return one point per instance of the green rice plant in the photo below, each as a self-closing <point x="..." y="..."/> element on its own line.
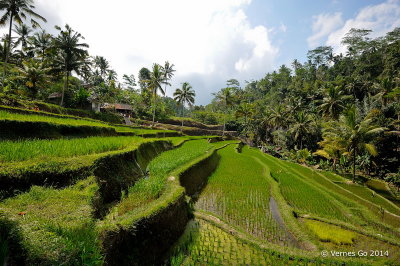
<point x="239" y="193"/>
<point x="151" y="187"/>
<point x="50" y="119"/>
<point x="302" y="195"/>
<point x="21" y="150"/>
<point x="56" y="225"/>
<point x="371" y="196"/>
<point x="206" y="244"/>
<point x="331" y="233"/>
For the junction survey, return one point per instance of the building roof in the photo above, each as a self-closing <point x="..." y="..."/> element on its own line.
<point x="55" y="95"/>
<point x="117" y="106"/>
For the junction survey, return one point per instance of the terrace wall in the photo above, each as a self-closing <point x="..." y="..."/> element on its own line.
<point x="150" y="237"/>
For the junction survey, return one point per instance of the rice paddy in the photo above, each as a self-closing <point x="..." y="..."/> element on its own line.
<point x="238" y="192"/>
<point x="4" y="115"/>
<point x="284" y="207"/>
<point x="21" y="150"/>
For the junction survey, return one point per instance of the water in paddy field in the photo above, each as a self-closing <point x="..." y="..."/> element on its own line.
<point x="290" y="239"/>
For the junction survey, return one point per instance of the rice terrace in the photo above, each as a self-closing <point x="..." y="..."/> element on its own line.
<point x="113" y="159"/>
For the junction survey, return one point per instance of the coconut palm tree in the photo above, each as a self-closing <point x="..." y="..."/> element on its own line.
<point x="102" y="64"/>
<point x="278" y="117"/>
<point x="129" y="81"/>
<point x="353" y="134"/>
<point x="301" y="126"/>
<point x="33" y="73"/>
<point x="41" y="42"/>
<point x="154" y="85"/>
<point x="71" y="55"/>
<point x="17" y="10"/>
<point x="23" y="32"/>
<point x="333" y="104"/>
<point x="225" y="97"/>
<point x="168" y="72"/>
<point x="184" y="95"/>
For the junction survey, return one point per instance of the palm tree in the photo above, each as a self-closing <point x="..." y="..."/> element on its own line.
<point x="301" y="126"/>
<point x="331" y="150"/>
<point x="41" y="42"/>
<point x="333" y="103"/>
<point x="278" y="117"/>
<point x="129" y="81"/>
<point x="23" y="32"/>
<point x="225" y="97"/>
<point x="33" y="73"/>
<point x="184" y="95"/>
<point x="102" y="64"/>
<point x="168" y="71"/>
<point x="71" y="55"/>
<point x="154" y="85"/>
<point x="353" y="135"/>
<point x="17" y="10"/>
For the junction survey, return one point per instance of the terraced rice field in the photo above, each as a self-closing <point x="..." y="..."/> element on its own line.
<point x="4" y="115"/>
<point x="206" y="244"/>
<point x="21" y="150"/>
<point x="239" y="193"/>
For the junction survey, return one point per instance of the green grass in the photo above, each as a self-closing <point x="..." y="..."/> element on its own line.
<point x="239" y="193"/>
<point x="302" y="195"/>
<point x="12" y="151"/>
<point x="206" y="244"/>
<point x="56" y="225"/>
<point x="49" y="119"/>
<point x="371" y="196"/>
<point x="150" y="188"/>
<point x="330" y="233"/>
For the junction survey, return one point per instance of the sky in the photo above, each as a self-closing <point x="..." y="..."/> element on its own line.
<point x="211" y="41"/>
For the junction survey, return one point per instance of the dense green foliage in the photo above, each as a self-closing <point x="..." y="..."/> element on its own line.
<point x="340" y="111"/>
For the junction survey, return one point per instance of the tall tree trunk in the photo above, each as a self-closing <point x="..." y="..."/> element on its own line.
<point x="154" y="106"/>
<point x="223" y="129"/>
<point x="8" y="49"/>
<point x="65" y="87"/>
<point x="183" y="107"/>
<point x="354" y="164"/>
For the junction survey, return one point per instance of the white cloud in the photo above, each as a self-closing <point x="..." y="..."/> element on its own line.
<point x="323" y="25"/>
<point x="210" y="38"/>
<point x="379" y="18"/>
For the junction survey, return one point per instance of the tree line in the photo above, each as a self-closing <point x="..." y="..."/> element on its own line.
<point x="337" y="111"/>
<point x="37" y="64"/>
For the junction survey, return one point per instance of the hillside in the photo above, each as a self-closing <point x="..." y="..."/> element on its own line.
<point x="85" y="192"/>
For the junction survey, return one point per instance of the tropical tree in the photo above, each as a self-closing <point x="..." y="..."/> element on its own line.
<point x="103" y="65"/>
<point x="184" y="95"/>
<point x="278" y="117"/>
<point x="33" y="73"/>
<point x="245" y="110"/>
<point x="17" y="10"/>
<point x="302" y="125"/>
<point x="71" y="54"/>
<point x="23" y="32"/>
<point x="41" y="42"/>
<point x="225" y="97"/>
<point x="333" y="104"/>
<point x="129" y="81"/>
<point x="353" y="134"/>
<point x="168" y="72"/>
<point x="154" y="85"/>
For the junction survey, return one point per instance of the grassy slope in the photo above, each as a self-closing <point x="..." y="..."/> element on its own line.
<point x="56" y="225"/>
<point x="151" y="188"/>
<point x="239" y="193"/>
<point x="22" y="150"/>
